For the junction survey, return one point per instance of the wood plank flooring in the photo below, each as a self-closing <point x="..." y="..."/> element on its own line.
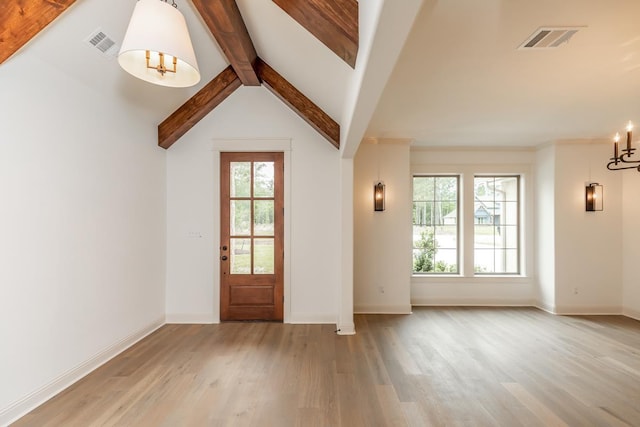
<point x="436" y="367"/>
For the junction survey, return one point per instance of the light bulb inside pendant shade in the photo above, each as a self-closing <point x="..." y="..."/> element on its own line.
<point x="159" y="28"/>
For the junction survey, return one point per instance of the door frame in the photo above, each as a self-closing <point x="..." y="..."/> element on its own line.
<point x="252" y="145"/>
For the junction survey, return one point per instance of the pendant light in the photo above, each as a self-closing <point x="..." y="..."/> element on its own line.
<point x="157" y="47"/>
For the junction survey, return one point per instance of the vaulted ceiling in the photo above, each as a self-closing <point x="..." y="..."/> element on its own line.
<point x="333" y="22"/>
<point x="460" y="81"/>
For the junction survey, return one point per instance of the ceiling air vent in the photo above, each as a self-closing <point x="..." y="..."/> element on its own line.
<point x="105" y="45"/>
<point x="549" y="37"/>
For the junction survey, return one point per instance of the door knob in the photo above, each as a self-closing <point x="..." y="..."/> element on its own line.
<point x="223" y="257"/>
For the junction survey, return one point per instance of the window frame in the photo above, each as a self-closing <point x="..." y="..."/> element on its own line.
<point x="478" y="163"/>
<point x="518" y="225"/>
<point x="458" y="221"/>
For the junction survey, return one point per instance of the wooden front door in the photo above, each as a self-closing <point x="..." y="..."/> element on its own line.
<point x="251" y="246"/>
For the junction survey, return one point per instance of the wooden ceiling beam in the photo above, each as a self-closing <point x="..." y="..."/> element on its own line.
<point x="227" y="26"/>
<point x="21" y="20"/>
<point x="197" y="107"/>
<point x="299" y="103"/>
<point x="333" y="22"/>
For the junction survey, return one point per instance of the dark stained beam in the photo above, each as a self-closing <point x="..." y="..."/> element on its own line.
<point x="197" y="107"/>
<point x="21" y="20"/>
<point x="333" y="22"/>
<point x="227" y="26"/>
<point x="299" y="103"/>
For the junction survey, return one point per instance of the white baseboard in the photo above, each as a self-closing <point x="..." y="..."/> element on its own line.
<point x="311" y="319"/>
<point x="631" y="313"/>
<point x="382" y="309"/>
<point x="588" y="310"/>
<point x="190" y="318"/>
<point x="46" y="392"/>
<point x="471" y="302"/>
<point x="545" y="307"/>
<point x="346" y="329"/>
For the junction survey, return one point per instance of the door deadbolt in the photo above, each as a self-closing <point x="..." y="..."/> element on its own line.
<point x="223" y="257"/>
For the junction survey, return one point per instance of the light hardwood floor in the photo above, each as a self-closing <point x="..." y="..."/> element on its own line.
<point x="438" y="366"/>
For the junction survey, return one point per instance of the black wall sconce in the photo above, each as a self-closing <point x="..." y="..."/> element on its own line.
<point x="378" y="197"/>
<point x="594" y="197"/>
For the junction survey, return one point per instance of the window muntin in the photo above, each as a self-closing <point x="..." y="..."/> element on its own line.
<point x="435" y="224"/>
<point x="496" y="212"/>
<point x="252" y="217"/>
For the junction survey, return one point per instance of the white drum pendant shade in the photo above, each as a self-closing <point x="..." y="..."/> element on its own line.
<point x="159" y="27"/>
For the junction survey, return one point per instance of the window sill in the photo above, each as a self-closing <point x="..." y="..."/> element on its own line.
<point x="456" y="278"/>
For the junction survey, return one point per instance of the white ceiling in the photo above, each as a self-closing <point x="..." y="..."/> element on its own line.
<point x="460" y="80"/>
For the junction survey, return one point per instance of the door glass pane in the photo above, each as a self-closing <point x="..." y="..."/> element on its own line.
<point x="263" y="256"/>
<point x="240" y="179"/>
<point x="263" y="180"/>
<point x="263" y="218"/>
<point x="240" y="217"/>
<point x="240" y="256"/>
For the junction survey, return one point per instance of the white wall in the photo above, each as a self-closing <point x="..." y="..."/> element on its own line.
<point x="631" y="243"/>
<point x="382" y="248"/>
<point x="545" y="213"/>
<point x="384" y="27"/>
<point x="249" y="114"/>
<point x="467" y="289"/>
<point x="588" y="245"/>
<point x="82" y="246"/>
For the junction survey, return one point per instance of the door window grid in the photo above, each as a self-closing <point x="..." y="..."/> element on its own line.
<point x="252" y="204"/>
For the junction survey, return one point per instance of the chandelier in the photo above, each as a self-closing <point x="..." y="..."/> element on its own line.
<point x="622" y="159"/>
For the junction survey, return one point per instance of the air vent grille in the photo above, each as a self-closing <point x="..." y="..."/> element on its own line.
<point x="105" y="45"/>
<point x="549" y="37"/>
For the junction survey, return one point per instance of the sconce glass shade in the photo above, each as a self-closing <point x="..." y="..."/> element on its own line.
<point x="378" y="197"/>
<point x="159" y="28"/>
<point x="594" y="197"/>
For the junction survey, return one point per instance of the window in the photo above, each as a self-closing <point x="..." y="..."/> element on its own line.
<point x="435" y="224"/>
<point x="496" y="226"/>
<point x="468" y="224"/>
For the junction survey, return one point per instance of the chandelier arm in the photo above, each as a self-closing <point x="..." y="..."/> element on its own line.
<point x="617" y="168"/>
<point x="622" y="160"/>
